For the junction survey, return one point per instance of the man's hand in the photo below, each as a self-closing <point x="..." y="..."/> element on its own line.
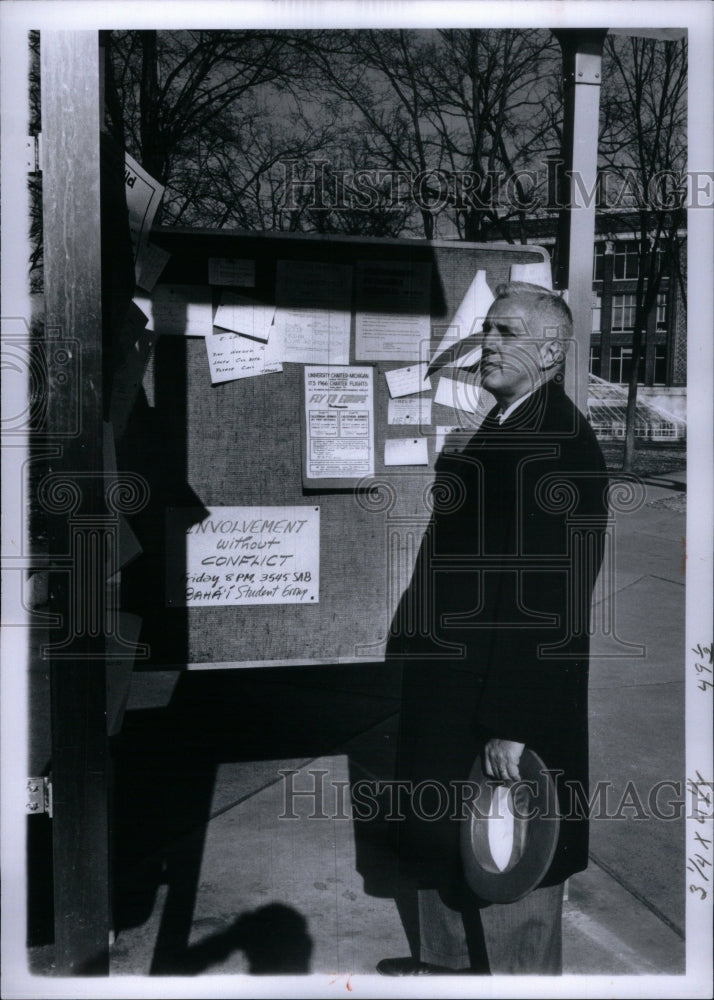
<point x="501" y="759"/>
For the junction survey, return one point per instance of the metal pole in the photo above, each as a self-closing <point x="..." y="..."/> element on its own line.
<point x="582" y="76"/>
<point x="73" y="495"/>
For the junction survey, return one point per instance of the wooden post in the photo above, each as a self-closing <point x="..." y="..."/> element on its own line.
<point x="73" y="495"/>
<point x="582" y="75"/>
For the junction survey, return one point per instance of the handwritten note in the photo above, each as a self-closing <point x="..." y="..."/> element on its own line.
<point x="703" y="666"/>
<point x="231" y="271"/>
<point x="699" y="841"/>
<point x="415" y="411"/>
<point x="231" y="357"/>
<point x="406" y="451"/>
<point x="407" y="381"/>
<point x="457" y="395"/>
<point x="443" y="433"/>
<point x="242" y="314"/>
<point x="179" y="310"/>
<point x="243" y="555"/>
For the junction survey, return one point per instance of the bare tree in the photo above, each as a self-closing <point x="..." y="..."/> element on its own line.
<point x="492" y="95"/>
<point x="206" y="113"/>
<point x="461" y="112"/>
<point x="643" y="147"/>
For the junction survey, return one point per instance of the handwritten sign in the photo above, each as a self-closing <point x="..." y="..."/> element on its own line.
<point x="414" y="410"/>
<point x="231" y="356"/>
<point x="243" y="555"/>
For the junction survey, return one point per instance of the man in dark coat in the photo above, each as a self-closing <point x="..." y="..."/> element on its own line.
<point x="501" y="593"/>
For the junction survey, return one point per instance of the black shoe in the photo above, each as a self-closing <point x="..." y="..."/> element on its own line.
<point x="411" y="967"/>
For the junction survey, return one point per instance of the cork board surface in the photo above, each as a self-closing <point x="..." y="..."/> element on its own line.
<point x="240" y="444"/>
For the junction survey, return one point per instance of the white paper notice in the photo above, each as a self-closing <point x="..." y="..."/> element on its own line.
<point x="406" y="381"/>
<point x="339" y="421"/>
<point x="231" y="357"/>
<point x="231" y="271"/>
<point x="150" y="263"/>
<point x="143" y="195"/>
<point x="442" y="433"/>
<point x="313" y="313"/>
<point x="538" y="273"/>
<point x="392" y="310"/>
<point x="415" y="411"/>
<point x="457" y="395"/>
<point x="468" y="319"/>
<point x="244" y="315"/>
<point x="243" y="555"/>
<point x="182" y="310"/>
<point x="406" y="451"/>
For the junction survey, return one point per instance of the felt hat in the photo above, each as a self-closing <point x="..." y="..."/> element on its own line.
<point x="510" y="832"/>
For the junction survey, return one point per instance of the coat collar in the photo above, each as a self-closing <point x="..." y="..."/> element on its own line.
<point x="528" y="416"/>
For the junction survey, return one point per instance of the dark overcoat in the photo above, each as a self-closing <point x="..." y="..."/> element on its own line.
<point x="493" y="628"/>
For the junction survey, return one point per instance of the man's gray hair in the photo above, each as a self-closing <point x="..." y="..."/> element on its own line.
<point x="553" y="312"/>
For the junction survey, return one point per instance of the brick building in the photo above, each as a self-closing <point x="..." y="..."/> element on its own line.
<point x="663" y="365"/>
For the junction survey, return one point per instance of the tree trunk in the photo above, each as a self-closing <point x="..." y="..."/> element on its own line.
<point x="645" y="299"/>
<point x="631" y="412"/>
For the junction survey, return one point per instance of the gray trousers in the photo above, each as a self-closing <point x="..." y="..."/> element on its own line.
<point x="523" y="938"/>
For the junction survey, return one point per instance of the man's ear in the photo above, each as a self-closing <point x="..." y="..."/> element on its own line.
<point x="552" y="354"/>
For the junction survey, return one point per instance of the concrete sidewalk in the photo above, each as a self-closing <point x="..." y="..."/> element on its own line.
<point x="249" y="891"/>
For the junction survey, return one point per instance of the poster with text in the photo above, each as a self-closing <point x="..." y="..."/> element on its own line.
<point x="242" y="555"/>
<point x="339" y="422"/>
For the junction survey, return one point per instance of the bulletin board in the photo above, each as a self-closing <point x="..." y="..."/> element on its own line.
<point x="225" y="462"/>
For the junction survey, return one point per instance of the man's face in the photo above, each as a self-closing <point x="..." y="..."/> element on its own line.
<point x="511" y="363"/>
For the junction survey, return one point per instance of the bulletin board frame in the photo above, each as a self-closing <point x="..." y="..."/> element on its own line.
<point x="241" y="443"/>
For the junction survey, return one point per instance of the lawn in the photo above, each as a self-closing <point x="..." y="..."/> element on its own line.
<point x="650" y="460"/>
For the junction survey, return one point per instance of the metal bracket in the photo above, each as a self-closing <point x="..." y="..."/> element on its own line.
<point x="33" y="153"/>
<point x="39" y="796"/>
<point x="588" y="68"/>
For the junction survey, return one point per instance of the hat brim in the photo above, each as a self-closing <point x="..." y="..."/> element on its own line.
<point x="536" y="827"/>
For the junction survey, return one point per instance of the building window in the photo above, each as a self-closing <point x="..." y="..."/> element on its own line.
<point x="595" y="361"/>
<point x="623" y="313"/>
<point x="626" y="265"/>
<point x="597" y="313"/>
<point x="660" y="365"/>
<point x="621" y="366"/>
<point x="661" y="260"/>
<point x="662" y="303"/>
<point x="599" y="262"/>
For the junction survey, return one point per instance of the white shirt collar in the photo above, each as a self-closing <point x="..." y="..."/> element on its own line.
<point x="509" y="409"/>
